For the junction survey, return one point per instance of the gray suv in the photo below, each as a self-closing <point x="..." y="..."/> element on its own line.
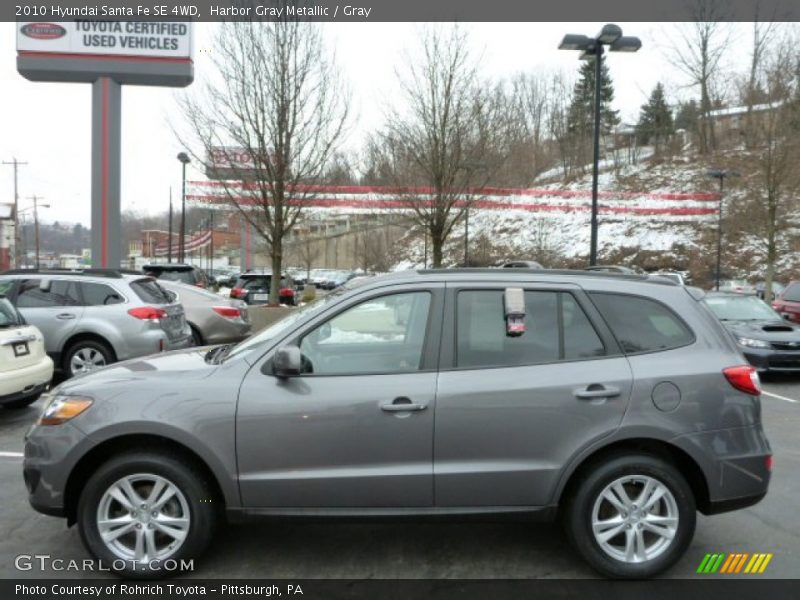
<point x="95" y="317"/>
<point x="615" y="403"/>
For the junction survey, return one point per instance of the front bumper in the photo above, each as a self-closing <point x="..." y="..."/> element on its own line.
<point x="735" y="464"/>
<point x="21" y="383"/>
<point x="768" y="359"/>
<point x="51" y="453"/>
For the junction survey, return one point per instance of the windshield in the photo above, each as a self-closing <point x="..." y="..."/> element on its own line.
<point x="9" y="317"/>
<point x="741" y="308"/>
<point x="280" y="327"/>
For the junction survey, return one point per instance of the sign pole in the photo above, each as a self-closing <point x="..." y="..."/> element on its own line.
<point x="106" y="116"/>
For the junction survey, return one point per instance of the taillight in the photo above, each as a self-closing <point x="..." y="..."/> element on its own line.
<point x="238" y="293"/>
<point x="228" y="312"/>
<point x="148" y="313"/>
<point x="286" y="292"/>
<point x="769" y="462"/>
<point x="744" y="378"/>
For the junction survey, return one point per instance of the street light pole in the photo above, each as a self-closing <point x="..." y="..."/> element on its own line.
<point x="184" y="158"/>
<point x="598" y="74"/>
<point x="169" y="241"/>
<point x="466" y="237"/>
<point x="15" y="164"/>
<point x="720" y="174"/>
<point x="610" y="35"/>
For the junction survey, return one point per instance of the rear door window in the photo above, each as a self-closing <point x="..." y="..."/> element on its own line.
<point x="556" y="328"/>
<point x="641" y="324"/>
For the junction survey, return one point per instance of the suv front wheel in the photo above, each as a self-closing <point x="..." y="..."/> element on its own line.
<point x="146" y="514"/>
<point x="631" y="516"/>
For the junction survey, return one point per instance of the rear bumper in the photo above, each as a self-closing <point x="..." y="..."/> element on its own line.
<point x="22" y="383"/>
<point x="734" y="462"/>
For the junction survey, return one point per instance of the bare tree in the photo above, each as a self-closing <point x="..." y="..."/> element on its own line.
<point x="697" y="51"/>
<point x="268" y="123"/>
<point x="447" y="138"/>
<point x="307" y="250"/>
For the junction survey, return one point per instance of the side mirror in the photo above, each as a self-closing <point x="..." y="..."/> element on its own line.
<point x="44" y="285"/>
<point x="287" y="362"/>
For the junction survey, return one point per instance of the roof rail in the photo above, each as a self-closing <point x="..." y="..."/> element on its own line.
<point x="110" y="273"/>
<point x="546" y="272"/>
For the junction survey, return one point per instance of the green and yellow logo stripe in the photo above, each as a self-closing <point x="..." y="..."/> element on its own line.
<point x="735" y="562"/>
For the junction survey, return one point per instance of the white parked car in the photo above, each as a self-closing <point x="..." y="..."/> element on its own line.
<point x="25" y="368"/>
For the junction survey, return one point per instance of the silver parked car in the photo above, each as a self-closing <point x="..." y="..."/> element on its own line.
<point x="616" y="403"/>
<point x="95" y="317"/>
<point x="212" y="318"/>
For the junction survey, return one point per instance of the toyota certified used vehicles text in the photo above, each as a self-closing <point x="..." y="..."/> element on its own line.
<point x="95" y="317"/>
<point x="25" y="368"/>
<point x="769" y="342"/>
<point x="617" y="404"/>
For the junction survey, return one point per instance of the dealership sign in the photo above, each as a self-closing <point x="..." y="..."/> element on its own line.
<point x="143" y="53"/>
<point x="107" y="54"/>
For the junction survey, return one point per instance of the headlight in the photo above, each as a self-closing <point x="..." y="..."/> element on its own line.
<point x="63" y="408"/>
<point x="751" y="343"/>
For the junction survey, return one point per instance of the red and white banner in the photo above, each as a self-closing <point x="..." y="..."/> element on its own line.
<point x="680" y="206"/>
<point x="196" y="242"/>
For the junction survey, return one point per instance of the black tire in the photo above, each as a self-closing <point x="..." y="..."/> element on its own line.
<point x="97" y="346"/>
<point x="192" y="483"/>
<point x="578" y="512"/>
<point x="22" y="403"/>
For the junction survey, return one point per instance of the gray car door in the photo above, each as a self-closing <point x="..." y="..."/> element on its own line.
<point x="56" y="310"/>
<point x="355" y="429"/>
<point x="512" y="411"/>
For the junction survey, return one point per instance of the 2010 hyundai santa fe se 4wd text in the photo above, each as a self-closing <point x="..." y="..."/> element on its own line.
<point x="616" y="403"/>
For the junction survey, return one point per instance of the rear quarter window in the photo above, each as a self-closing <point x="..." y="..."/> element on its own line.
<point x="149" y="291"/>
<point x="641" y="324"/>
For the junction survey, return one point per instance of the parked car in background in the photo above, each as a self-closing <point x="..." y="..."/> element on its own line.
<point x="95" y="317"/>
<point x="671" y="275"/>
<point x="777" y="288"/>
<point x="225" y="277"/>
<point x="321" y="278"/>
<point x="737" y="286"/>
<point x="521" y="264"/>
<point x="339" y="278"/>
<point x="252" y="287"/>
<point x="769" y="342"/>
<point x="178" y="272"/>
<point x="25" y="368"/>
<point x="612" y="269"/>
<point x="787" y="303"/>
<point x="213" y="319"/>
<point x="584" y="411"/>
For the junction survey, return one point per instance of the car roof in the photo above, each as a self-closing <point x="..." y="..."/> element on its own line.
<point x="169" y="267"/>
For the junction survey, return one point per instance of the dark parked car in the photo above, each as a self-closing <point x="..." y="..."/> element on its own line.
<point x="521" y="264"/>
<point x="769" y="342"/>
<point x="788" y="302"/>
<point x="253" y="288"/>
<point x="617" y="404"/>
<point x="181" y="273"/>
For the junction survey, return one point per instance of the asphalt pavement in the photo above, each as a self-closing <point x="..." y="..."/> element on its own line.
<point x="405" y="549"/>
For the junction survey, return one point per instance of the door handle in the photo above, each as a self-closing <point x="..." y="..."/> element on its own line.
<point x="65" y="316"/>
<point x="403" y="404"/>
<point x="597" y="390"/>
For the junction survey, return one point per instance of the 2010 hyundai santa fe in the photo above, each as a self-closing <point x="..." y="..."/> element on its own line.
<point x="616" y="403"/>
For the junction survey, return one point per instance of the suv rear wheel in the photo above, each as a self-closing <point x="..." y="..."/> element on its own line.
<point x="141" y="514"/>
<point x="631" y="516"/>
<point x="86" y="356"/>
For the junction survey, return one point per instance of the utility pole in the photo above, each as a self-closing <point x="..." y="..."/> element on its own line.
<point x="15" y="164"/>
<point x="36" y="223"/>
<point x="169" y="242"/>
<point x="211" y="250"/>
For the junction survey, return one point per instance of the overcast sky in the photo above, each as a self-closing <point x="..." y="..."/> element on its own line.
<point x="48" y="125"/>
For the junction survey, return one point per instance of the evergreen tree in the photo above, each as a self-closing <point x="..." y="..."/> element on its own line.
<point x="687" y="116"/>
<point x="580" y="117"/>
<point x="655" y="120"/>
